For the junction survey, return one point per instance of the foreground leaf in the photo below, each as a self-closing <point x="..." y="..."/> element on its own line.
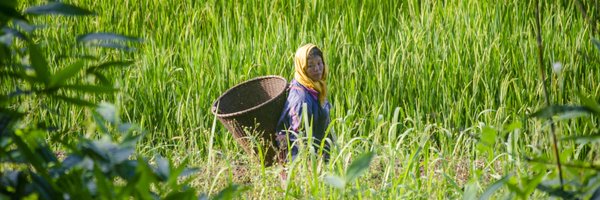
<point x="231" y="192"/>
<point x="494" y="187"/>
<point x="561" y="111"/>
<point x="359" y="166"/>
<point x="335" y="181"/>
<point x="596" y="43"/>
<point x="90" y="88"/>
<point x="584" y="138"/>
<point x="39" y="63"/>
<point x="557" y="192"/>
<point x="103" y="36"/>
<point x="75" y="101"/>
<point x="591" y="104"/>
<point x="65" y="74"/>
<point x="58" y="8"/>
<point x="108" y="112"/>
<point x="110" y="64"/>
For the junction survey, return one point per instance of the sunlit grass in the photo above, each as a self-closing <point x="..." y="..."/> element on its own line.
<point x="413" y="81"/>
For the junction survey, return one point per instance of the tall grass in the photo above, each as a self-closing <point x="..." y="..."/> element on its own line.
<point x="413" y="81"/>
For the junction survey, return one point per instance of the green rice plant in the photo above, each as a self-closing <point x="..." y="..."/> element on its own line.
<point x="415" y="82"/>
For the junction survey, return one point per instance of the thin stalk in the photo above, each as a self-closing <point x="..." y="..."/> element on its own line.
<point x="546" y="94"/>
<point x="587" y="17"/>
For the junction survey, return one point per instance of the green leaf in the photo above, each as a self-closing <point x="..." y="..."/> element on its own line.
<point x="556" y="191"/>
<point x="112" y="45"/>
<point x="231" y="192"/>
<point x="58" y="8"/>
<point x="126" y="169"/>
<point x="90" y="88"/>
<point x="562" y="111"/>
<point x="188" y="171"/>
<point x="75" y="101"/>
<point x="110" y="64"/>
<point x="39" y="63"/>
<point x="494" y="187"/>
<point x="359" y="166"/>
<point x="65" y="74"/>
<point x="470" y="191"/>
<point x="162" y="168"/>
<point x="103" y="80"/>
<point x="108" y="112"/>
<point x="584" y="138"/>
<point x="589" y="103"/>
<point x="596" y="43"/>
<point x="9" y="9"/>
<point x="514" y="126"/>
<point x="121" y="154"/>
<point x="596" y="194"/>
<point x="104" y="187"/>
<point x="488" y="136"/>
<point x="102" y="36"/>
<point x="335" y="181"/>
<point x="177" y="195"/>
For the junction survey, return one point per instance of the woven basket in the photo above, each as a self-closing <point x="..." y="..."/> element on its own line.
<point x="251" y="110"/>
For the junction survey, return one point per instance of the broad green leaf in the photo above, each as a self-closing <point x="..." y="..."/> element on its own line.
<point x="359" y="166"/>
<point x="584" y="138"/>
<point x="125" y="127"/>
<point x="16" y="33"/>
<point x="103" y="80"/>
<point x="100" y="122"/>
<point x="561" y="111"/>
<point x="121" y="154"/>
<point x="130" y="139"/>
<point x="188" y="171"/>
<point x="335" y="181"/>
<point x="126" y="169"/>
<point x="26" y="26"/>
<point x="9" y="10"/>
<point x="556" y="191"/>
<point x="106" y="37"/>
<point x="71" y="161"/>
<point x="203" y="197"/>
<point x="58" y="8"/>
<point x="75" y="101"/>
<point x="146" y="179"/>
<point x="178" y="195"/>
<point x="596" y="43"/>
<point x="90" y="88"/>
<point x="589" y="103"/>
<point x="108" y="112"/>
<point x="514" y="126"/>
<point x="34" y="159"/>
<point x="112" y="45"/>
<point x="596" y="194"/>
<point x="162" y="168"/>
<point x="488" y="136"/>
<point x="470" y="191"/>
<point x="65" y="74"/>
<point x="39" y="63"/>
<point x="103" y="184"/>
<point x="110" y="64"/>
<point x="494" y="187"/>
<point x="231" y="192"/>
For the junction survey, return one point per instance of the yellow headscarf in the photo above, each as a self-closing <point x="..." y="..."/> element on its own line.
<point x="302" y="77"/>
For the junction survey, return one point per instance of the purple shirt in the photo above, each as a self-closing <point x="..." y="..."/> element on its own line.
<point x="291" y="117"/>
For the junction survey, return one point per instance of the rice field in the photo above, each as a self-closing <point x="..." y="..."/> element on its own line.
<point x="416" y="82"/>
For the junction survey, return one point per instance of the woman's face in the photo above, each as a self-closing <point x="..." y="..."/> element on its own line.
<point x="315" y="68"/>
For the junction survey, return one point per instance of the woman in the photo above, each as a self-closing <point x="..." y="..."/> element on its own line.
<point x="308" y="87"/>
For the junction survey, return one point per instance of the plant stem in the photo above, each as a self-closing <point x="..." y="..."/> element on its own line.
<point x="586" y="17"/>
<point x="545" y="87"/>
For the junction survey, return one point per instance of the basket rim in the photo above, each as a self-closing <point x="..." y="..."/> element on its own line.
<point x="222" y="115"/>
